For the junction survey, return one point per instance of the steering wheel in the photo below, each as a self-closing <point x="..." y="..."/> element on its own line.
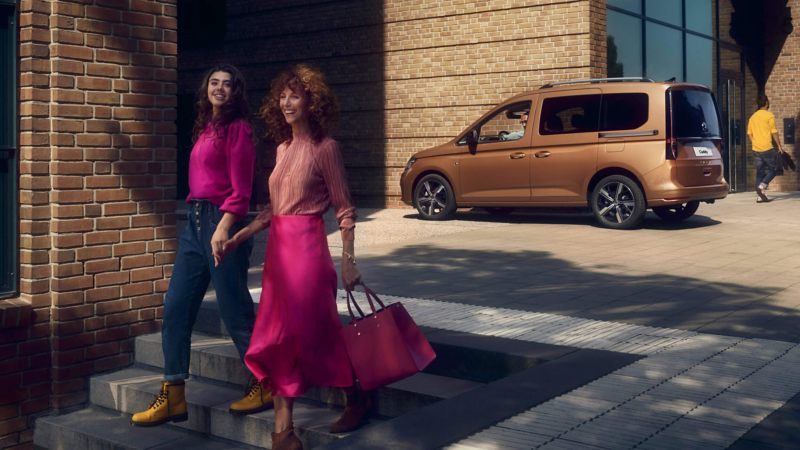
<point x="502" y="133"/>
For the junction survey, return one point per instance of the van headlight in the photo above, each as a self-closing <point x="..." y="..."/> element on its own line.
<point x="411" y="163"/>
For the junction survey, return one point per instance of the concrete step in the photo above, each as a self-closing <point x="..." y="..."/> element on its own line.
<point x="216" y="359"/>
<point x="132" y="390"/>
<point x="96" y="429"/>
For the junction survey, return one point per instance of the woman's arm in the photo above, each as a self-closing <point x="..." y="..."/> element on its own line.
<point x="332" y="165"/>
<point x="258" y="225"/>
<point x="350" y="274"/>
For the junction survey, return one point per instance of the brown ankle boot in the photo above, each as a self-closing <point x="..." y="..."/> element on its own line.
<point x="286" y="440"/>
<point x="354" y="412"/>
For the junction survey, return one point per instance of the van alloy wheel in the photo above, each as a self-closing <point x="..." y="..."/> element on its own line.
<point x="434" y="198"/>
<point x="618" y="202"/>
<point x="615" y="202"/>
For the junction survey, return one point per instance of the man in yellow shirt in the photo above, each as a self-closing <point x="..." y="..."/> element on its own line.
<point x="761" y="131"/>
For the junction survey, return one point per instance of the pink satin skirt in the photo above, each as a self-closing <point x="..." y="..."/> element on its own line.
<point x="297" y="342"/>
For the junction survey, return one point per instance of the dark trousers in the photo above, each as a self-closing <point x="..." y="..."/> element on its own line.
<point x="194" y="268"/>
<point x="768" y="160"/>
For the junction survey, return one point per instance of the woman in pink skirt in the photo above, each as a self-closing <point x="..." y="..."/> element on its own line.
<point x="296" y="342"/>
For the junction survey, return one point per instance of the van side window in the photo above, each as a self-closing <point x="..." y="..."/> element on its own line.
<point x="508" y="124"/>
<point x="571" y="114"/>
<point x="624" y="111"/>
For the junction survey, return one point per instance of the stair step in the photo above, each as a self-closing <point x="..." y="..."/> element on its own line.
<point x="132" y="390"/>
<point x="96" y="429"/>
<point x="216" y="359"/>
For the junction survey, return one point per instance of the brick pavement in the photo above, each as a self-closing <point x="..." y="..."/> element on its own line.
<point x="733" y="269"/>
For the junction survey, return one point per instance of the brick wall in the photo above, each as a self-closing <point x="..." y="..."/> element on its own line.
<point x="783" y="91"/>
<point x="409" y="74"/>
<point x="97" y="189"/>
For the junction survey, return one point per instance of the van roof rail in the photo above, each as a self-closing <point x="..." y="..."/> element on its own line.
<point x="598" y="80"/>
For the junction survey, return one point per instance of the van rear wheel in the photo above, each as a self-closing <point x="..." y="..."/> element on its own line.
<point x="678" y="212"/>
<point x="618" y="203"/>
<point x="434" y="198"/>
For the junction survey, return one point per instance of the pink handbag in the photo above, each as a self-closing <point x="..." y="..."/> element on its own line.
<point x="385" y="346"/>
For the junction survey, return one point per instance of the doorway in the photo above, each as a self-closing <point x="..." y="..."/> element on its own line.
<point x="731" y="104"/>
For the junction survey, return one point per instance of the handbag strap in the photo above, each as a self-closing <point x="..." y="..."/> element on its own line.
<point x="372" y="294"/>
<point x="353" y="299"/>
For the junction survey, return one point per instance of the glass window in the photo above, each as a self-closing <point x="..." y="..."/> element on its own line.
<point x="664" y="53"/>
<point x="669" y="11"/>
<point x="624" y="45"/>
<point x="573" y="114"/>
<point x="698" y="16"/>
<point x="8" y="161"/>
<point x="624" y="111"/>
<point x="694" y="114"/>
<point x="700" y="58"/>
<point x="508" y="124"/>
<point x="630" y="5"/>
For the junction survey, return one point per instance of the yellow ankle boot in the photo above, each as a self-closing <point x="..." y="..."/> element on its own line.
<point x="256" y="400"/>
<point x="170" y="406"/>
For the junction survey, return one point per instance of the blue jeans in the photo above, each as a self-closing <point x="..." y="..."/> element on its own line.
<point x="769" y="159"/>
<point x="194" y="268"/>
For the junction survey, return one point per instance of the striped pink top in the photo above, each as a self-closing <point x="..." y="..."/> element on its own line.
<point x="308" y="177"/>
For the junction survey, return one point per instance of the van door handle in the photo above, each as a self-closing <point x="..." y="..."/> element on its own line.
<point x="518" y="155"/>
<point x="542" y="154"/>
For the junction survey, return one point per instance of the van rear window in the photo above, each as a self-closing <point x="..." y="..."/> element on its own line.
<point x="624" y="111"/>
<point x="694" y="114"/>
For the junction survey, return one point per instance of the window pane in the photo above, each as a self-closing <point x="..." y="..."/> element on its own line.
<point x="691" y="109"/>
<point x="669" y="11"/>
<point x="624" y="45"/>
<point x="664" y="53"/>
<point x="630" y="5"/>
<point x="576" y="114"/>
<point x="699" y="60"/>
<point x="506" y="124"/>
<point x="698" y="16"/>
<point x="624" y="111"/>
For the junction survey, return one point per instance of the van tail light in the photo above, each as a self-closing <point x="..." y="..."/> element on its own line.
<point x="672" y="143"/>
<point x="672" y="148"/>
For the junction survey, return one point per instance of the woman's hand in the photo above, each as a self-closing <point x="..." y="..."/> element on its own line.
<point x="227" y="247"/>
<point x="219" y="242"/>
<point x="221" y="236"/>
<point x="350" y="274"/>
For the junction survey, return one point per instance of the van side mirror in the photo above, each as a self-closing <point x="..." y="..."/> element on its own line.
<point x="472" y="139"/>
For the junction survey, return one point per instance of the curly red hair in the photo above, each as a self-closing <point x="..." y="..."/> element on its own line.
<point x="323" y="106"/>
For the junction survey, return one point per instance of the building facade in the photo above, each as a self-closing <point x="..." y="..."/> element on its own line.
<point x="97" y="99"/>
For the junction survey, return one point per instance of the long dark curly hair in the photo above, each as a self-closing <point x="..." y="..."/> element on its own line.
<point x="323" y="106"/>
<point x="236" y="108"/>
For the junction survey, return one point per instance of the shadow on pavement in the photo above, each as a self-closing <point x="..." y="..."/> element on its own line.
<point x="539" y="281"/>
<point x="571" y="217"/>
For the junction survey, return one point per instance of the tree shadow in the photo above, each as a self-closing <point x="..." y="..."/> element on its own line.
<point x="659" y="294"/>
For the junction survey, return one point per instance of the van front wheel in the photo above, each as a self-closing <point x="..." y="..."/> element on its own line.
<point x="434" y="198"/>
<point x="618" y="202"/>
<point x="678" y="212"/>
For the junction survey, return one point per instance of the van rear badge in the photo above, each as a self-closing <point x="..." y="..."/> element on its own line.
<point x="704" y="127"/>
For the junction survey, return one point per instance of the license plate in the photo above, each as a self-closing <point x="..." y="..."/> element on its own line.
<point x="703" y="151"/>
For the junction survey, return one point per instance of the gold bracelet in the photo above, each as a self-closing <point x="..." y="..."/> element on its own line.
<point x="349" y="256"/>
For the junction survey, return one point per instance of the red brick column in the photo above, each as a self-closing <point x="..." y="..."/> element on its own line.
<point x="97" y="190"/>
<point x="784" y="94"/>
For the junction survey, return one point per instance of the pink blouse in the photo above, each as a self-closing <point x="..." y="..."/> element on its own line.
<point x="221" y="171"/>
<point x="307" y="178"/>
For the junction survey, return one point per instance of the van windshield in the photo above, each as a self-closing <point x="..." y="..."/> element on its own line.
<point x="695" y="114"/>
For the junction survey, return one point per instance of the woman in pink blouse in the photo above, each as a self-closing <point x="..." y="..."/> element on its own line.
<point x="220" y="181"/>
<point x="297" y="343"/>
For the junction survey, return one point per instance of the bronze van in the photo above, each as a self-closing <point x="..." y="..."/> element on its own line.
<point x="618" y="146"/>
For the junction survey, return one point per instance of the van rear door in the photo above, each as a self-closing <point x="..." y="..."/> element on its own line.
<point x="696" y="136"/>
